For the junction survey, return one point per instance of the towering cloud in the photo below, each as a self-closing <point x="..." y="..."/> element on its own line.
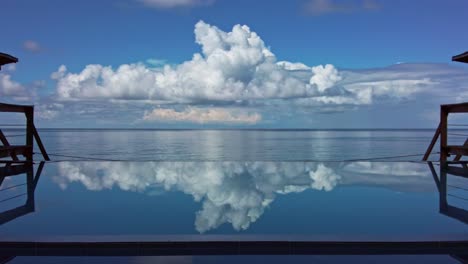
<point x="233" y="67"/>
<point x="237" y="69"/>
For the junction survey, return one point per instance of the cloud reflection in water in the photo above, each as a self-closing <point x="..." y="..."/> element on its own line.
<point x="237" y="192"/>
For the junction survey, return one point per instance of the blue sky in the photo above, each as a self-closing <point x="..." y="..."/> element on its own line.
<point x="295" y="64"/>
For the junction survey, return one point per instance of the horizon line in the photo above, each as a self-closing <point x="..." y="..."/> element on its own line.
<point x="285" y="129"/>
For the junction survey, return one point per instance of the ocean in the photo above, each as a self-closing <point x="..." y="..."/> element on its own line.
<point x="237" y="145"/>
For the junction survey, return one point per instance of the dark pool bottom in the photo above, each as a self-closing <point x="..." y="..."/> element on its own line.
<point x="204" y="248"/>
<point x="233" y="208"/>
<point x="401" y="259"/>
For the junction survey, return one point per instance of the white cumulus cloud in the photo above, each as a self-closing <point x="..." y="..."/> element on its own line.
<point x="9" y="87"/>
<point x="237" y="67"/>
<point x="234" y="66"/>
<point x="293" y="66"/>
<point x="324" y="77"/>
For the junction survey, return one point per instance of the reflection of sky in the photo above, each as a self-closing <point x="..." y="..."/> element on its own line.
<point x="316" y="200"/>
<point x="238" y="193"/>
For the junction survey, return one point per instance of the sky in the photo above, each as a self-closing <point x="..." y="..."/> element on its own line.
<point x="234" y="64"/>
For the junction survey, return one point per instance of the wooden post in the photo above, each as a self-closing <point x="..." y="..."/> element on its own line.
<point x="443" y="204"/>
<point x="431" y="146"/>
<point x="38" y="174"/>
<point x="31" y="133"/>
<point x="30" y="187"/>
<point x="443" y="135"/>
<point x="29" y="112"/>
<point x="434" y="175"/>
<point x="458" y="157"/>
<point x="39" y="144"/>
<point x="5" y="143"/>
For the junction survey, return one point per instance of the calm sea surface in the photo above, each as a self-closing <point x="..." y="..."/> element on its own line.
<point x="219" y="145"/>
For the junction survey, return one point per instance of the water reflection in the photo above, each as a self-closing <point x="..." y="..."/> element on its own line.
<point x="9" y="169"/>
<point x="238" y="193"/>
<point x="453" y="170"/>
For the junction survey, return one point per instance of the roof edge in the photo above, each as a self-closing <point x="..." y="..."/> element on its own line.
<point x="461" y="57"/>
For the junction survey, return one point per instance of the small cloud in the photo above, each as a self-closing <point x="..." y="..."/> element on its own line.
<point x="60" y="73"/>
<point x="202" y="115"/>
<point x="168" y="4"/>
<point x="9" y="67"/>
<point x="323" y="7"/>
<point x="325" y="77"/>
<point x="293" y="66"/>
<point x="9" y="87"/>
<point x="371" y="5"/>
<point x="156" y="62"/>
<point x="32" y="46"/>
<point x="48" y="111"/>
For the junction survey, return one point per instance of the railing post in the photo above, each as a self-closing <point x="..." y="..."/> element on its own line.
<point x="431" y="146"/>
<point x="39" y="144"/>
<point x="443" y="204"/>
<point x="29" y="112"/>
<point x="443" y="134"/>
<point x="30" y="186"/>
<point x="5" y="143"/>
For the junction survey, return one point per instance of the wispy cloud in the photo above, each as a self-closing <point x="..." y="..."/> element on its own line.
<point x="32" y="46"/>
<point x="156" y="62"/>
<point x="323" y="7"/>
<point x="9" y="67"/>
<point x="168" y="4"/>
<point x="203" y="115"/>
<point x="48" y="111"/>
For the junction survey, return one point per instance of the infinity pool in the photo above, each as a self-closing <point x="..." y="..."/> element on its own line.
<point x="76" y="201"/>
